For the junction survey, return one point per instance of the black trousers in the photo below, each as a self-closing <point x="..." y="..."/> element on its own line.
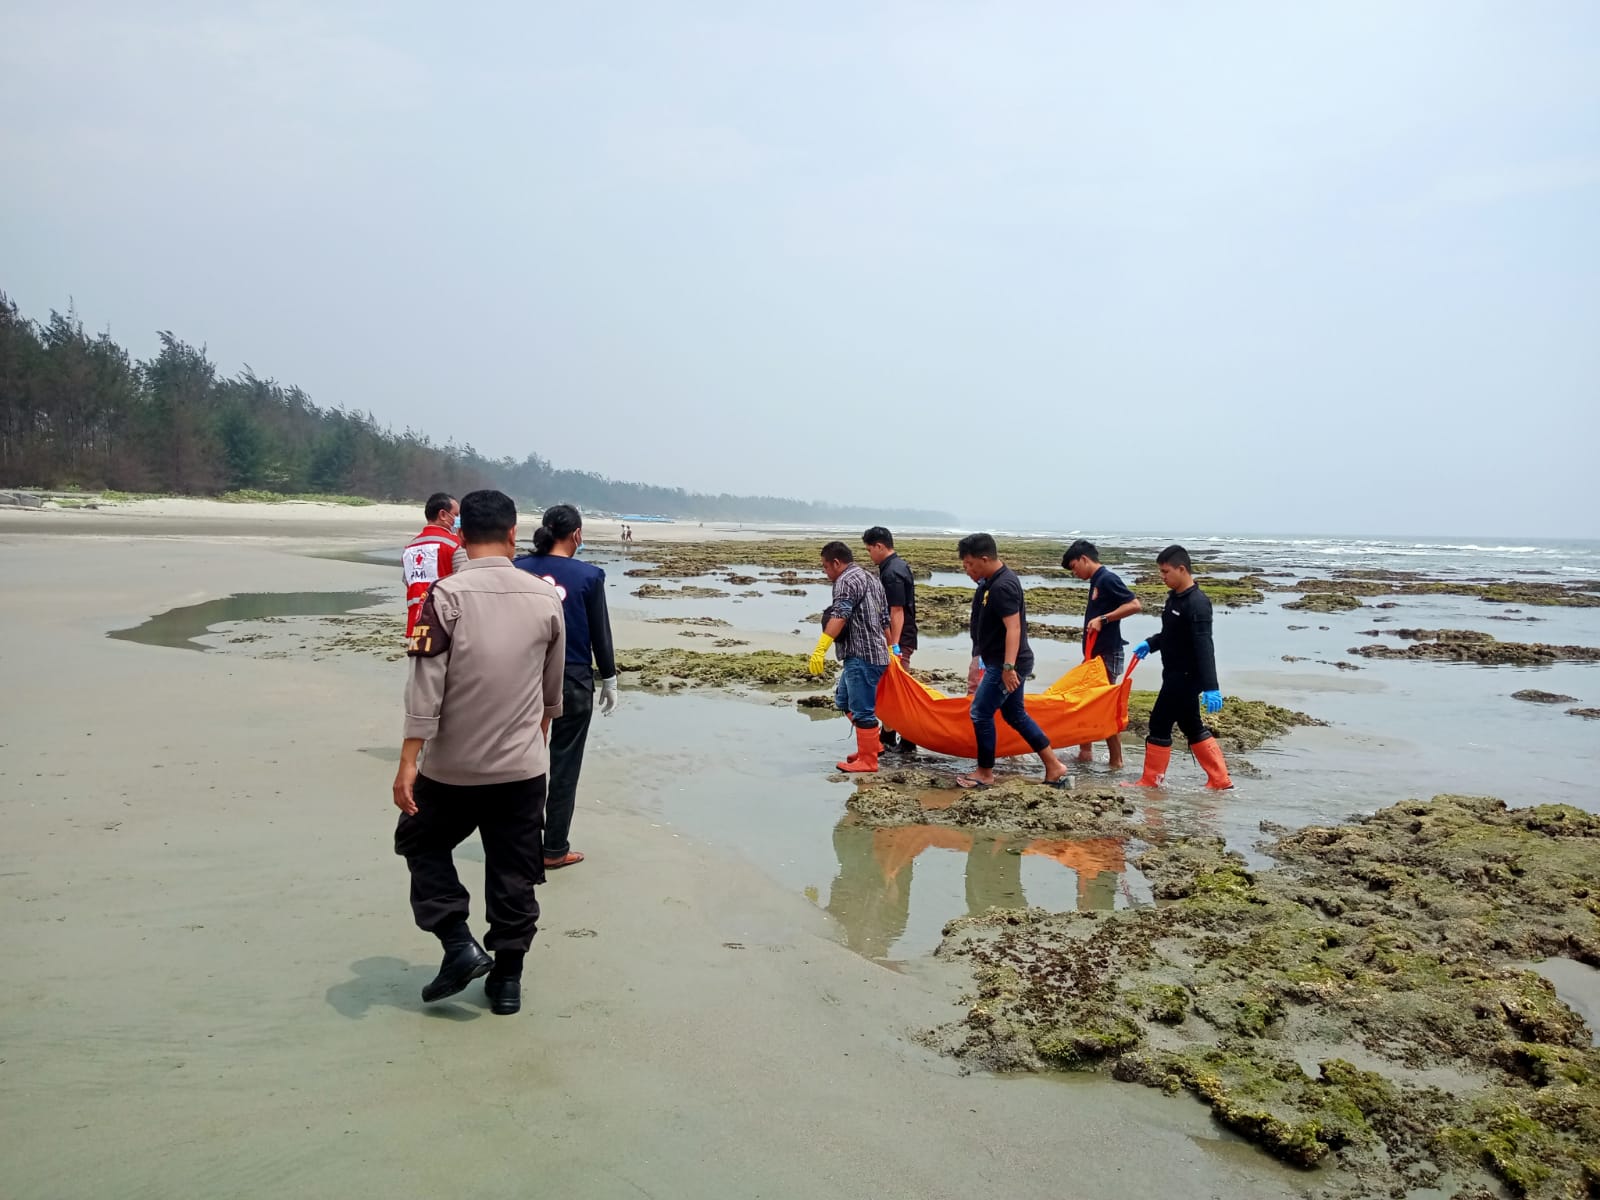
<point x="1177" y="703"/>
<point x="509" y="819"/>
<point x="569" y="734"/>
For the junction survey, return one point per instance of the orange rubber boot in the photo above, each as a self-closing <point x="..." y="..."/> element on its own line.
<point x="869" y="744"/>
<point x="1156" y="759"/>
<point x="1210" y="756"/>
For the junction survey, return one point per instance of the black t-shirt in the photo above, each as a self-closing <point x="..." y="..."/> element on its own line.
<point x="999" y="597"/>
<point x="1188" y="656"/>
<point x="901" y="592"/>
<point x="1107" y="593"/>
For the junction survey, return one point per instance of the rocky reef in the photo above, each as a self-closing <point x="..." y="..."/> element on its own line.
<point x="1363" y="1004"/>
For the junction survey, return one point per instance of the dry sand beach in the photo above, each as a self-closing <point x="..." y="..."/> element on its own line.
<point x="212" y="976"/>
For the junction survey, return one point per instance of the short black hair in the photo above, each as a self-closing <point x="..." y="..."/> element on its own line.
<point x="837" y="552"/>
<point x="977" y="545"/>
<point x="437" y="503"/>
<point x="878" y="536"/>
<point x="1175" y="556"/>
<point x="487" y="516"/>
<point x="1082" y="548"/>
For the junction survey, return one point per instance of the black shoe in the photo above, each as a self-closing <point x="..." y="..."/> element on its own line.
<point x="462" y="964"/>
<point x="505" y="995"/>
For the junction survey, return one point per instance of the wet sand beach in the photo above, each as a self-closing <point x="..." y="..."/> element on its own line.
<point x="212" y="974"/>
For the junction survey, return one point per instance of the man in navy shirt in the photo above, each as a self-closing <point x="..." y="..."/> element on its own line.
<point x="582" y="587"/>
<point x="1110" y="603"/>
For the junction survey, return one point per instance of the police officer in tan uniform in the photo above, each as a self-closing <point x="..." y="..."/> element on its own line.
<point x="486" y="659"/>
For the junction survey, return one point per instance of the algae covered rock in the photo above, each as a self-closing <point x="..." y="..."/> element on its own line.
<point x="919" y="796"/>
<point x="1241" y="725"/>
<point x="1534" y="696"/>
<point x="1268" y="1100"/>
<point x="674" y="669"/>
<point x="1324" y="602"/>
<point x="1461" y="645"/>
<point x="654" y="591"/>
<point x="1397" y="940"/>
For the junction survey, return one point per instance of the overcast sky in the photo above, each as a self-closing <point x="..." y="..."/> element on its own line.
<point x="1234" y="267"/>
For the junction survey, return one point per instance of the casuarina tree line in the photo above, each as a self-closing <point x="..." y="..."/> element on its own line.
<point x="77" y="410"/>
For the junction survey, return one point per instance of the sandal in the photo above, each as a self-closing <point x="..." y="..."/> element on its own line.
<point x="1061" y="784"/>
<point x="570" y="858"/>
<point x="972" y="783"/>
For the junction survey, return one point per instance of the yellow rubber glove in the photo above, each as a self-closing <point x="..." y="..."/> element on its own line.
<point x="819" y="656"/>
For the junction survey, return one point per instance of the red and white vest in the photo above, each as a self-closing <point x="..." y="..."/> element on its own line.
<point x="427" y="558"/>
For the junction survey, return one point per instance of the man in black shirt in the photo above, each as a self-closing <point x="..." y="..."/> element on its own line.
<point x="1110" y="602"/>
<point x="1188" y="676"/>
<point x="1001" y="660"/>
<point x="901" y="592"/>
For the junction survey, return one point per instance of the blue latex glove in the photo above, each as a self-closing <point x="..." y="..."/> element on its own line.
<point x="895" y="649"/>
<point x="1212" y="701"/>
<point x="1140" y="651"/>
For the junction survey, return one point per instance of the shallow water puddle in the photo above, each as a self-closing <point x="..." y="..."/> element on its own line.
<point x="897" y="886"/>
<point x="758" y="778"/>
<point x="181" y="627"/>
<point x="1578" y="986"/>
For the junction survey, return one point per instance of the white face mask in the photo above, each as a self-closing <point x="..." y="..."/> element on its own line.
<point x="457" y="525"/>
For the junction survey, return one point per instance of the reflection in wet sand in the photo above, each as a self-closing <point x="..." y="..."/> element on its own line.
<point x="871" y="895"/>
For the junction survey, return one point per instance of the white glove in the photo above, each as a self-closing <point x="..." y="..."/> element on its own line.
<point x="608" y="696"/>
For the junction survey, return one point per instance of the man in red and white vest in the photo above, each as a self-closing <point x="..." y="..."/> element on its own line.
<point x="428" y="557"/>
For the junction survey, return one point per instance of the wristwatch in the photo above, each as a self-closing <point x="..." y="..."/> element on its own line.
<point x="1008" y="666"/>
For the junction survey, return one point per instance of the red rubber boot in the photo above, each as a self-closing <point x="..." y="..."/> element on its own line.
<point x="868" y="746"/>
<point x="1210" y="756"/>
<point x="1156" y="759"/>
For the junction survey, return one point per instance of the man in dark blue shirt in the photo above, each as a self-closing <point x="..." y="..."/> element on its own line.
<point x="582" y="587"/>
<point x="1188" y="676"/>
<point x="1110" y="602"/>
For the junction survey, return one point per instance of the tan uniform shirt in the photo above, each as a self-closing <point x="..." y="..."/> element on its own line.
<point x="486" y="663"/>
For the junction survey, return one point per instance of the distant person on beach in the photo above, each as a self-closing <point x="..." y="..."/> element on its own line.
<point x="582" y="587"/>
<point x="1001" y="661"/>
<point x="430" y="555"/>
<point x="485" y="664"/>
<point x="1188" y="676"/>
<point x="900" y="591"/>
<point x="1110" y="603"/>
<point x="858" y="620"/>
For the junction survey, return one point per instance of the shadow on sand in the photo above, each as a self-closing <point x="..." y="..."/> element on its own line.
<point x="393" y="983"/>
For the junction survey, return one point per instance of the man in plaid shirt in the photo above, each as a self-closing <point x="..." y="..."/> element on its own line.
<point x="858" y="622"/>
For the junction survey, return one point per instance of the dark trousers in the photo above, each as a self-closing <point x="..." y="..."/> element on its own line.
<point x="569" y="733"/>
<point x="1177" y="703"/>
<point x="992" y="697"/>
<point x="509" y="818"/>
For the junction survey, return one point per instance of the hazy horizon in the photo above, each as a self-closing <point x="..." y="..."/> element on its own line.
<point x="1042" y="266"/>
